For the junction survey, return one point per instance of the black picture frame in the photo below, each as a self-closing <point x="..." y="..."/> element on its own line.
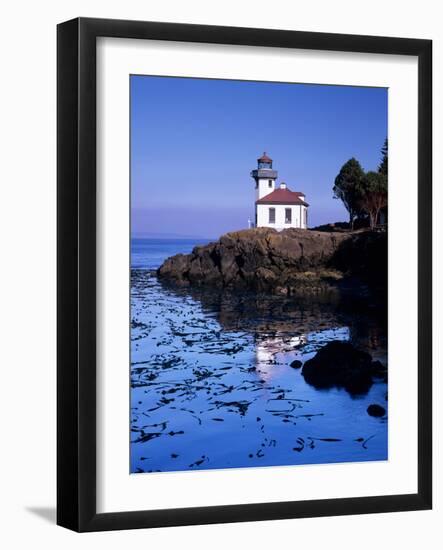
<point x="76" y="265"/>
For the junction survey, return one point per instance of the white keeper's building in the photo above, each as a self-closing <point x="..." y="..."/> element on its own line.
<point x="280" y="207"/>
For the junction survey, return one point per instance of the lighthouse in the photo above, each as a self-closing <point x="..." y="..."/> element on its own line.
<point x="264" y="177"/>
<point x="280" y="207"/>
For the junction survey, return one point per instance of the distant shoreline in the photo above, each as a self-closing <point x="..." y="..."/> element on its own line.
<point x="171" y="237"/>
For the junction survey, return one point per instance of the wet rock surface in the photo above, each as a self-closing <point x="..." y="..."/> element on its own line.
<point x="376" y="410"/>
<point x="288" y="262"/>
<point x="341" y="365"/>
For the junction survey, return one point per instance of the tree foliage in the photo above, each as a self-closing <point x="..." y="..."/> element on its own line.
<point x="383" y="167"/>
<point x="363" y="194"/>
<point x="375" y="195"/>
<point x="348" y="187"/>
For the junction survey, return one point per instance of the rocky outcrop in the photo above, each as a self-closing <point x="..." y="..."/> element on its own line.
<point x="265" y="260"/>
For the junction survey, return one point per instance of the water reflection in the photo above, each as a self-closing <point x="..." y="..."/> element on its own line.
<point x="276" y="319"/>
<point x="212" y="385"/>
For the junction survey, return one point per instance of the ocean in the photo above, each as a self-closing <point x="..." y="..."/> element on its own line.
<point x="151" y="253"/>
<point x="212" y="385"/>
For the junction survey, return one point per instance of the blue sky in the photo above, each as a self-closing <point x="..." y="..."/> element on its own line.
<point x="195" y="141"/>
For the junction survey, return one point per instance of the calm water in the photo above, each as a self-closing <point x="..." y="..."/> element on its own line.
<point x="211" y="385"/>
<point x="151" y="253"/>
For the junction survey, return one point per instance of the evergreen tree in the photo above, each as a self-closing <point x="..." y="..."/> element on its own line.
<point x="374" y="195"/>
<point x="348" y="188"/>
<point x="383" y="168"/>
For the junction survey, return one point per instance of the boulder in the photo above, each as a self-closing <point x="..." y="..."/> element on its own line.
<point x="339" y="364"/>
<point x="376" y="410"/>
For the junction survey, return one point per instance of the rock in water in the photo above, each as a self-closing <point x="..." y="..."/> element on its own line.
<point x="376" y="410"/>
<point x="339" y="364"/>
<point x="296" y="364"/>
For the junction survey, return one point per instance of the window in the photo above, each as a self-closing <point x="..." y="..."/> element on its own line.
<point x="269" y="183"/>
<point x="272" y="215"/>
<point x="288" y="215"/>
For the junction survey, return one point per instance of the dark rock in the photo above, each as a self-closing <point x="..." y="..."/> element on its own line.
<point x="339" y="364"/>
<point x="296" y="364"/>
<point x="362" y="223"/>
<point x="286" y="262"/>
<point x="337" y="226"/>
<point x="376" y="410"/>
<point x="365" y="255"/>
<point x="379" y="370"/>
<point x="176" y="268"/>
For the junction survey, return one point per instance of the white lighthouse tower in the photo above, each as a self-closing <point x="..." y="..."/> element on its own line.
<point x="279" y="208"/>
<point x="264" y="177"/>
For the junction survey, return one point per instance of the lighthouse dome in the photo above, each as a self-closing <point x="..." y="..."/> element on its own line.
<point x="264" y="162"/>
<point x="264" y="158"/>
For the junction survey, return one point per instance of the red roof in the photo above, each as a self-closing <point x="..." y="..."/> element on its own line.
<point x="264" y="158"/>
<point x="282" y="196"/>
